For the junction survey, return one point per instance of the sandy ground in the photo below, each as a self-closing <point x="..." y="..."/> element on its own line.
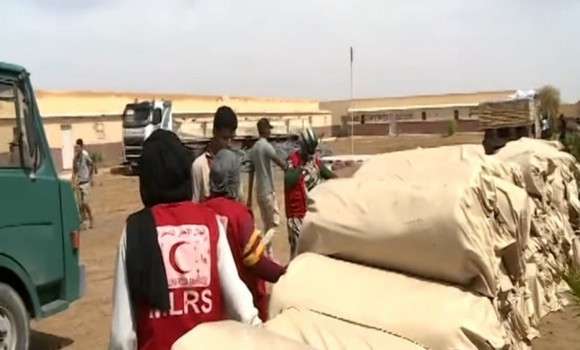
<point x="86" y="324"/>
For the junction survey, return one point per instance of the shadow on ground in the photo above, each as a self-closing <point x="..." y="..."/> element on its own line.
<point x="45" y="341"/>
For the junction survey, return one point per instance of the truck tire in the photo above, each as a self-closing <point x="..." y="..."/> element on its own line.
<point x="14" y="320"/>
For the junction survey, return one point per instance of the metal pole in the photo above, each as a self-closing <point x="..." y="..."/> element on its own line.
<point x="351" y="98"/>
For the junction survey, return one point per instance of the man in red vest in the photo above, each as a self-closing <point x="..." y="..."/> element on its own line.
<point x="253" y="265"/>
<point x="305" y="171"/>
<point x="175" y="268"/>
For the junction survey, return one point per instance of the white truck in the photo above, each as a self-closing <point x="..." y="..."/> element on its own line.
<point x="140" y="119"/>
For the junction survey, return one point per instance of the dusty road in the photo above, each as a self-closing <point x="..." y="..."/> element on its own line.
<point x="86" y="324"/>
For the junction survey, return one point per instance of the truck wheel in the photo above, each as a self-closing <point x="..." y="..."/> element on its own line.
<point x="14" y="320"/>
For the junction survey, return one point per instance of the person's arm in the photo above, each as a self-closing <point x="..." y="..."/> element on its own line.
<point x="293" y="173"/>
<point x="253" y="249"/>
<point x="238" y="299"/>
<point x="325" y="172"/>
<point x="91" y="166"/>
<point x="271" y="152"/>
<point x="250" y="188"/>
<point x="123" y="336"/>
<point x="196" y="181"/>
<point x="259" y="263"/>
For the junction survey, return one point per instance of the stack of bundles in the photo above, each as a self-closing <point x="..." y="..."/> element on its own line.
<point x="550" y="179"/>
<point x="449" y="214"/>
<point x="329" y="333"/>
<point x="419" y="312"/>
<point x="228" y="335"/>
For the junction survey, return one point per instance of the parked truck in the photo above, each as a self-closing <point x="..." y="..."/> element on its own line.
<point x="504" y="121"/>
<point x="40" y="273"/>
<point x="140" y="119"/>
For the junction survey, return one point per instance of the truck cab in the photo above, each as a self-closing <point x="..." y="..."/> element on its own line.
<point x="140" y="119"/>
<point x="40" y="274"/>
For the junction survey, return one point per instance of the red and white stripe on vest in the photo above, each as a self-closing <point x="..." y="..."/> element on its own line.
<point x="188" y="236"/>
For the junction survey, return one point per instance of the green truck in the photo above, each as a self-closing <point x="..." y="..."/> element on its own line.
<point x="40" y="273"/>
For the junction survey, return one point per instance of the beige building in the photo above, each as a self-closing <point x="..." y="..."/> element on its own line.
<point x="409" y="114"/>
<point x="96" y="117"/>
<point x="570" y="110"/>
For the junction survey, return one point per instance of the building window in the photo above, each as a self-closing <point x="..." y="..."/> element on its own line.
<point x="456" y="114"/>
<point x="423" y="115"/>
<point x="362" y="119"/>
<point x="100" y="130"/>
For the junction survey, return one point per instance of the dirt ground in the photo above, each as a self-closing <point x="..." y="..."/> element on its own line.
<point x="86" y="324"/>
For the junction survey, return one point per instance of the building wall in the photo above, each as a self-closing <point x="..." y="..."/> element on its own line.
<point x="93" y="130"/>
<point x="412" y="127"/>
<point x="570" y="110"/>
<point x="429" y="114"/>
<point x="55" y="103"/>
<point x="411" y="107"/>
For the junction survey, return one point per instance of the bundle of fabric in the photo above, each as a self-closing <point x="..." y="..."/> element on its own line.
<point x="549" y="173"/>
<point x="450" y="214"/>
<point x="431" y="314"/>
<point x="329" y="333"/>
<point x="429" y="213"/>
<point x="228" y="335"/>
<point x="550" y="179"/>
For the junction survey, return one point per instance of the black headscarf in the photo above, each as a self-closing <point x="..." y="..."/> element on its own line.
<point x="165" y="177"/>
<point x="165" y="170"/>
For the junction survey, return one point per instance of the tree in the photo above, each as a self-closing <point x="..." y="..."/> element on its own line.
<point x="549" y="102"/>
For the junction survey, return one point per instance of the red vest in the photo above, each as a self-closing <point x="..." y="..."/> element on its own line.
<point x="188" y="236"/>
<point x="240" y="227"/>
<point x="296" y="197"/>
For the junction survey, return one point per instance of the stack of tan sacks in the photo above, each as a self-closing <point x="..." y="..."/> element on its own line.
<point x="550" y="179"/>
<point x="454" y="216"/>
<point x="229" y="335"/>
<point x="441" y="248"/>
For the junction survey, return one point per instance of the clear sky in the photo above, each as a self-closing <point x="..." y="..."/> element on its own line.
<point x="295" y="48"/>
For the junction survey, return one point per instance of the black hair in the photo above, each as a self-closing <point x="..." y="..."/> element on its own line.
<point x="225" y="118"/>
<point x="80" y="142"/>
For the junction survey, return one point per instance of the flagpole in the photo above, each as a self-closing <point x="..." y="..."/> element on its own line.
<point x="351" y="98"/>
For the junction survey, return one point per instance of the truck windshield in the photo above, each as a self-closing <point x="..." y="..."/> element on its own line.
<point x="135" y="118"/>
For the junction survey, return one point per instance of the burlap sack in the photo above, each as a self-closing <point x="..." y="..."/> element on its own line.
<point x="229" y="335"/>
<point x="424" y="212"/>
<point x="435" y="315"/>
<point x="576" y="253"/>
<point x="513" y="219"/>
<point x="547" y="170"/>
<point x="327" y="333"/>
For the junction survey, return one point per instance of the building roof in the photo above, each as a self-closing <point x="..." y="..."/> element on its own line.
<point x="95" y="103"/>
<point x="425" y="101"/>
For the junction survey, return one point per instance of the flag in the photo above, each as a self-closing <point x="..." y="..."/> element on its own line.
<point x="351" y="55"/>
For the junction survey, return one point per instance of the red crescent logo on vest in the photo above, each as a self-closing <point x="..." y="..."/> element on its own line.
<point x="173" y="259"/>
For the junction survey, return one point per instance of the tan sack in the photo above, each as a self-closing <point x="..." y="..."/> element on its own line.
<point x="543" y="165"/>
<point x="230" y="335"/>
<point x="327" y="333"/>
<point x="438" y="316"/>
<point x="576" y="253"/>
<point x="428" y="214"/>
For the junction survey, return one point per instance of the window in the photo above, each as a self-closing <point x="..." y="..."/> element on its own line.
<point x="17" y="146"/>
<point x="423" y="115"/>
<point x="456" y="114"/>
